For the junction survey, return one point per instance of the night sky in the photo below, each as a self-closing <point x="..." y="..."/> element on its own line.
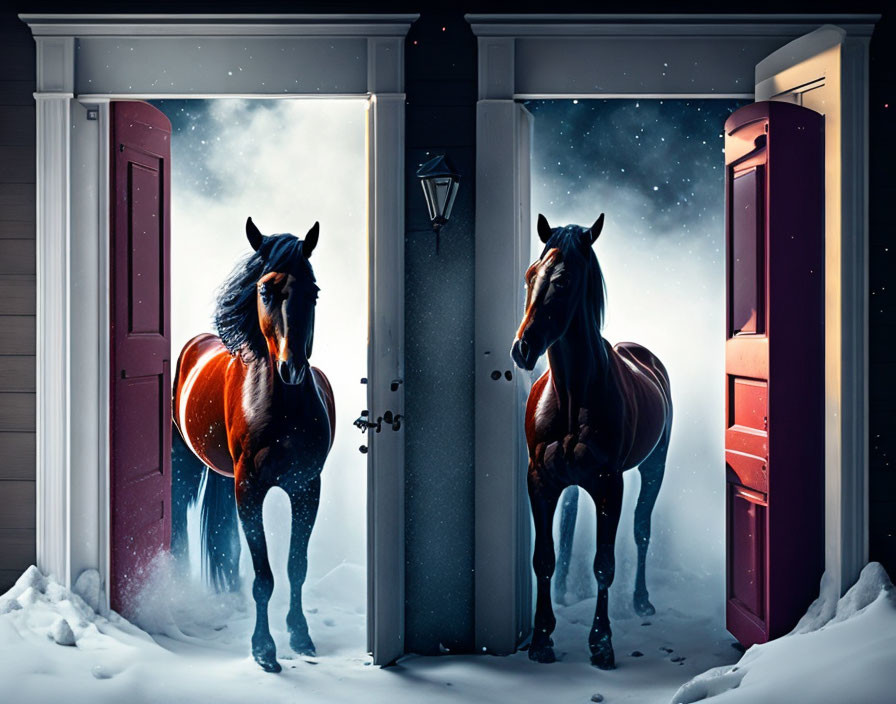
<point x="656" y="168"/>
<point x="659" y="159"/>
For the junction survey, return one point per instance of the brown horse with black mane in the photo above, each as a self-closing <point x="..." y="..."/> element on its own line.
<point x="598" y="411"/>
<point x="250" y="407"/>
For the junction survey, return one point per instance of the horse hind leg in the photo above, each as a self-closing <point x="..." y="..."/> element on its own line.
<point x="651" y="471"/>
<point x="220" y="534"/>
<point x="569" y="509"/>
<point x="607" y="495"/>
<point x="544" y="503"/>
<point x="186" y="478"/>
<point x="305" y="501"/>
<point x="249" y="500"/>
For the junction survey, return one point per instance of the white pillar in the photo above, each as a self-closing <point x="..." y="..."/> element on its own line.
<point x="55" y="79"/>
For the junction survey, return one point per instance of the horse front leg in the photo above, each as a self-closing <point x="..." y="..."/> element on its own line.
<point x="249" y="499"/>
<point x="607" y="495"/>
<point x="544" y="503"/>
<point x="304" y="501"/>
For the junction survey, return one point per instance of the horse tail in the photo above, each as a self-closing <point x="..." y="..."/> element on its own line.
<point x="186" y="479"/>
<point x="220" y="534"/>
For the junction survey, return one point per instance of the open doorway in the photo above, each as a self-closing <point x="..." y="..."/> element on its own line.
<point x="656" y="168"/>
<point x="287" y="164"/>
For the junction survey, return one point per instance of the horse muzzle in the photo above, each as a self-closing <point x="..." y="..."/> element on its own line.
<point x="523" y="355"/>
<point x="292" y="374"/>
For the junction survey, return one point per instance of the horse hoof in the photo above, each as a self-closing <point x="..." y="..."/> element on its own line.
<point x="268" y="663"/>
<point x="603" y="660"/>
<point x="265" y="654"/>
<point x="302" y="644"/>
<point x="643" y="607"/>
<point x="602" y="652"/>
<point x="544" y="654"/>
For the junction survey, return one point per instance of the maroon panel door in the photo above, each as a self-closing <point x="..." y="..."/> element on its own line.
<point x="141" y="345"/>
<point x="774" y="364"/>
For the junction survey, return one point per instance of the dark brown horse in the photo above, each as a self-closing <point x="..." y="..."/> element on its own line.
<point x="596" y="412"/>
<point x="251" y="409"/>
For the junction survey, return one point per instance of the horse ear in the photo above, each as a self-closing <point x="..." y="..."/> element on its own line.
<point x="310" y="241"/>
<point x="255" y="237"/>
<point x="544" y="230"/>
<point x="596" y="228"/>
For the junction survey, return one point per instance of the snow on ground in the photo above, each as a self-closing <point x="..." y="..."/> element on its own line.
<point x="199" y="650"/>
<point x="844" y="652"/>
<point x="841" y="651"/>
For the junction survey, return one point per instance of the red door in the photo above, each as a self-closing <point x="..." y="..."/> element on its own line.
<point x="141" y="345"/>
<point x="774" y="363"/>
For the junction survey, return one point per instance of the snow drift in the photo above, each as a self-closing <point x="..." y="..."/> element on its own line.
<point x="842" y="650"/>
<point x="55" y="646"/>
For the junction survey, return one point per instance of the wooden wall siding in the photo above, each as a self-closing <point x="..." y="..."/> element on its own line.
<point x="17" y="300"/>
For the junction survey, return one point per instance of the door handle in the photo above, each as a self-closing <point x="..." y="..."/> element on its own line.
<point x="393" y="420"/>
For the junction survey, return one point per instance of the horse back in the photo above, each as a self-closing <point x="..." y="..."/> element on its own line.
<point x="326" y="393"/>
<point x="198" y="404"/>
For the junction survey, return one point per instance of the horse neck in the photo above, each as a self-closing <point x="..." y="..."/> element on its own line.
<point x="268" y="393"/>
<point x="578" y="362"/>
<point x="258" y="382"/>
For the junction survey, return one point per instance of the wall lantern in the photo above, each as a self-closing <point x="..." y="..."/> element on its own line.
<point x="440" y="180"/>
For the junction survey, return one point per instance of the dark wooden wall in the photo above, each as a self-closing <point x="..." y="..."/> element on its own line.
<point x="17" y="300"/>
<point x="439" y="537"/>
<point x="882" y="299"/>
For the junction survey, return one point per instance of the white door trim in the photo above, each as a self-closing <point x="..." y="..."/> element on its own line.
<point x="826" y="70"/>
<point x="597" y="56"/>
<point x="94" y="58"/>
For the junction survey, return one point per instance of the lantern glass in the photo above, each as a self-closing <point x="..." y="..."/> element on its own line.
<point x="440" y="192"/>
<point x="440" y="181"/>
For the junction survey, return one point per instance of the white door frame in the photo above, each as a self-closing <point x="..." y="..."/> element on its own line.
<point x="648" y="56"/>
<point x="86" y="61"/>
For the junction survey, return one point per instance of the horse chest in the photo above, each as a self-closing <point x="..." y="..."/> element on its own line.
<point x="301" y="434"/>
<point x="291" y="437"/>
<point x="571" y="451"/>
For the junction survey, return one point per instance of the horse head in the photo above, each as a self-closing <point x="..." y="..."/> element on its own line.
<point x="286" y="295"/>
<point x="564" y="277"/>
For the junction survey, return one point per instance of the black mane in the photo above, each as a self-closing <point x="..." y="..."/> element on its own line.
<point x="574" y="243"/>
<point x="236" y="310"/>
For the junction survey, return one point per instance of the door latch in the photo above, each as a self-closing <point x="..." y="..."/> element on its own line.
<point x="363" y="422"/>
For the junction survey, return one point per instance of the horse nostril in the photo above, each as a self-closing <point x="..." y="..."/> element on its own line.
<point x="524" y="348"/>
